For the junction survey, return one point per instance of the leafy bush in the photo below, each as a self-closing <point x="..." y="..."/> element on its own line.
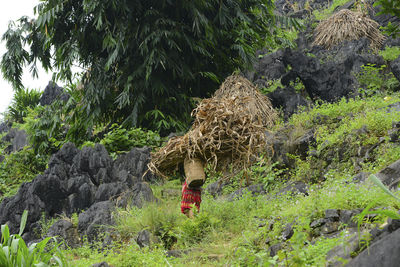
<point x="14" y="252"/>
<point x="120" y="139"/>
<point x="18" y="167"/>
<point x="375" y="80"/>
<point x="23" y="100"/>
<point x="390" y="53"/>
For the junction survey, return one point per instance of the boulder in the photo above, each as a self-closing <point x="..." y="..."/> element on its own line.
<point x="287" y="100"/>
<point x="75" y="181"/>
<point x="384" y="252"/>
<point x="135" y="163"/>
<point x="51" y="93"/>
<point x="17" y="138"/>
<point x="95" y="220"/>
<point x="66" y="231"/>
<point x="254" y="190"/>
<point x="328" y="81"/>
<point x="390" y="175"/>
<point x="395" y="67"/>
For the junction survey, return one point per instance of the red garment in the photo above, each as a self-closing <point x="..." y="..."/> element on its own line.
<point x="190" y="196"/>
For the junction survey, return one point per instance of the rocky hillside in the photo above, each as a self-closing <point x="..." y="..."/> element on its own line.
<point x="310" y="200"/>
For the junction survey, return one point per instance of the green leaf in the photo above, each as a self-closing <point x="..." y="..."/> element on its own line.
<point x="23" y="222"/>
<point x="379" y="183"/>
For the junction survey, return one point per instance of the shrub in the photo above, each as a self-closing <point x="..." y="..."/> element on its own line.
<point x="390" y="53"/>
<point x="22" y="101"/>
<point x="374" y="79"/>
<point x="18" y="167"/>
<point x="14" y="251"/>
<point x="121" y="139"/>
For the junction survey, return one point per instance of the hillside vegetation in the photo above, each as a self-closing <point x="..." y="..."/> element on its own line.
<point x="322" y="192"/>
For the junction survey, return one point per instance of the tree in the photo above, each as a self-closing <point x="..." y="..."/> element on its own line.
<point x="145" y="60"/>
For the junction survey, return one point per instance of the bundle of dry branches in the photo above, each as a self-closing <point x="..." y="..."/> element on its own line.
<point x="347" y="25"/>
<point x="228" y="128"/>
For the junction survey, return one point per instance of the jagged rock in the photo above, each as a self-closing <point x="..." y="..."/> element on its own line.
<point x="143" y="238"/>
<point x="215" y="189"/>
<point x="288" y="100"/>
<point x="110" y="190"/>
<point x="17" y="138"/>
<point x="284" y="142"/>
<point x="332" y="215"/>
<point x="100" y="264"/>
<point x="91" y="160"/>
<point x="329" y="82"/>
<point x="381" y="253"/>
<point x="95" y="219"/>
<point x="288" y="232"/>
<point x="395" y="67"/>
<point x="137" y="196"/>
<point x="72" y="184"/>
<point x="11" y="208"/>
<point x="66" y="231"/>
<point x="255" y="189"/>
<point x="295" y="6"/>
<point x="294" y="188"/>
<point x="342" y="252"/>
<point x="5" y="127"/>
<point x="273" y="250"/>
<point x="390" y="175"/>
<point x="51" y="93"/>
<point x="268" y="67"/>
<point x="382" y="19"/>
<point x="329" y="227"/>
<point x="135" y="163"/>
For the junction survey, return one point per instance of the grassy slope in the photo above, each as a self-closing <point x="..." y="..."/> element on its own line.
<point x="234" y="233"/>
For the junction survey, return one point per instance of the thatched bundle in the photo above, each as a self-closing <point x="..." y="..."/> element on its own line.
<point x="228" y="128"/>
<point x="347" y="25"/>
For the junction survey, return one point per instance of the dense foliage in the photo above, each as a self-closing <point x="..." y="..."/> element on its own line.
<point x="22" y="101"/>
<point x="144" y="61"/>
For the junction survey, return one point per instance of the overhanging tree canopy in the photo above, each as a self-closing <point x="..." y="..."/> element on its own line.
<point x="145" y="59"/>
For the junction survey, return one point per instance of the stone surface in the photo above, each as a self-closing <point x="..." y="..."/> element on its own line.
<point x="75" y="181"/>
<point x="143" y="238"/>
<point x="51" y="93"/>
<point x="288" y="100"/>
<point x="390" y="176"/>
<point x="18" y="139"/>
<point x="385" y="252"/>
<point x="95" y="219"/>
<point x="101" y="264"/>
<point x="256" y="189"/>
<point x="65" y="230"/>
<point x="395" y="67"/>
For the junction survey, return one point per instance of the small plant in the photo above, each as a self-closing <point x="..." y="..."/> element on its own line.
<point x="14" y="252"/>
<point x="22" y="101"/>
<point x="18" y="167"/>
<point x="390" y="53"/>
<point x="120" y="139"/>
<point x="374" y="79"/>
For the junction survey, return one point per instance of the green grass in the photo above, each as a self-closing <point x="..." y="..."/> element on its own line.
<point x="325" y="13"/>
<point x="234" y="233"/>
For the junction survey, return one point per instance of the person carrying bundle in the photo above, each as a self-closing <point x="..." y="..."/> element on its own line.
<point x="191" y="188"/>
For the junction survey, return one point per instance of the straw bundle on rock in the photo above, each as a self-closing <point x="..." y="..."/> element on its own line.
<point x="228" y="128"/>
<point x="348" y="25"/>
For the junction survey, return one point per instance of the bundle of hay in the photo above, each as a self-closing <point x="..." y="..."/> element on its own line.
<point x="228" y="128"/>
<point x="348" y="25"/>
